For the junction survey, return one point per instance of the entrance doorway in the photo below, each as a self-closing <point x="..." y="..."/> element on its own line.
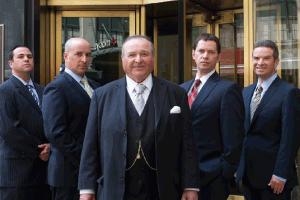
<point x="228" y="26"/>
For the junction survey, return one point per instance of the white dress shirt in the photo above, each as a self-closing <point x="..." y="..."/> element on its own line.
<point x="203" y="80"/>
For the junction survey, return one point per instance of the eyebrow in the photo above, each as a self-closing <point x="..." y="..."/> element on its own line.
<point x="22" y="54"/>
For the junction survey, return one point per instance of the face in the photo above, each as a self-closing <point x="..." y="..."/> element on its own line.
<point x="206" y="56"/>
<point x="22" y="61"/>
<point x="138" y="61"/>
<point x="79" y="56"/>
<point x="264" y="64"/>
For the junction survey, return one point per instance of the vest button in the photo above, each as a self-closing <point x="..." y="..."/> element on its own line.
<point x="124" y="156"/>
<point x="124" y="134"/>
<point x="122" y="178"/>
<point x="139" y="124"/>
<point x="140" y="182"/>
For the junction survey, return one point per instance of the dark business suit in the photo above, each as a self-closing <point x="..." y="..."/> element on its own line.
<point x="272" y="138"/>
<point x="65" y="110"/>
<point x="104" y="155"/>
<point x="21" y="131"/>
<point x="217" y="121"/>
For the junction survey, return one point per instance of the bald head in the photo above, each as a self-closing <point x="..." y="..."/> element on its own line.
<point x="77" y="55"/>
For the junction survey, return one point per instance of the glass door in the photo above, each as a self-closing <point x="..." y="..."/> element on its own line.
<point x="105" y="31"/>
<point x="228" y="26"/>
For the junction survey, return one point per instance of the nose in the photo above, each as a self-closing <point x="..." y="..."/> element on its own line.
<point x="260" y="62"/>
<point x="205" y="54"/>
<point x="138" y="59"/>
<point x="84" y="58"/>
<point x="26" y="59"/>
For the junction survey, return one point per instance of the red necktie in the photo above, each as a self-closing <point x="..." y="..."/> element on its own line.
<point x="194" y="91"/>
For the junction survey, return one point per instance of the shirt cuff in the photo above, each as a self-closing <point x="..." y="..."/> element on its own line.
<point x="87" y="191"/>
<point x="279" y="178"/>
<point x="195" y="189"/>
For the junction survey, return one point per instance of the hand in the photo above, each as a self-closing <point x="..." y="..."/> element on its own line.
<point x="44" y="155"/>
<point x="276" y="185"/>
<point x="87" y="197"/>
<point x="235" y="176"/>
<point x="190" y="195"/>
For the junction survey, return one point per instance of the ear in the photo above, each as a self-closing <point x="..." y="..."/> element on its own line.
<point x="219" y="58"/>
<point x="65" y="55"/>
<point x="276" y="62"/>
<point x="193" y="54"/>
<point x="10" y="63"/>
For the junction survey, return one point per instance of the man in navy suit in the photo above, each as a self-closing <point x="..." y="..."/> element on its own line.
<point x="217" y="113"/>
<point x="65" y="110"/>
<point x="272" y="123"/>
<point x="24" y="149"/>
<point x="138" y="143"/>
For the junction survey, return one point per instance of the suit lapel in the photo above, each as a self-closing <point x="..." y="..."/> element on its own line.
<point x="120" y="94"/>
<point x="92" y="84"/>
<point x="188" y="85"/>
<point x="78" y="88"/>
<point x="159" y="92"/>
<point x="203" y="94"/>
<point x="273" y="87"/>
<point x="247" y="100"/>
<point x="25" y="92"/>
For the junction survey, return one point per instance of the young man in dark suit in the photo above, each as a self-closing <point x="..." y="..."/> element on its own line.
<point x="24" y="149"/>
<point x="217" y="112"/>
<point x="65" y="110"/>
<point x="272" y="126"/>
<point x="138" y="143"/>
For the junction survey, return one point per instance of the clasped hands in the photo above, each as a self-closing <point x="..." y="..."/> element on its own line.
<point x="44" y="155"/>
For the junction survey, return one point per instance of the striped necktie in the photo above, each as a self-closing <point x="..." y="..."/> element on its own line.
<point x="256" y="101"/>
<point x="193" y="94"/>
<point x="31" y="88"/>
<point x="87" y="87"/>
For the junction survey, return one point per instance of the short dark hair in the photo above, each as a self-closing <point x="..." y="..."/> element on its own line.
<point x="11" y="53"/>
<point x="269" y="44"/>
<point x="206" y="37"/>
<point x="138" y="36"/>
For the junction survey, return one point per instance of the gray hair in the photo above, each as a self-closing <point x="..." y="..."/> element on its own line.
<point x="135" y="37"/>
<point x="269" y="44"/>
<point x="68" y="45"/>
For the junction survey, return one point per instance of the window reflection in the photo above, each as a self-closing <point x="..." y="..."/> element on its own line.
<point x="106" y="36"/>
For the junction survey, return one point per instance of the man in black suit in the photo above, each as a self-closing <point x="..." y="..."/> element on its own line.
<point x="138" y="143"/>
<point x="217" y="112"/>
<point x="65" y="110"/>
<point x="272" y="126"/>
<point x="24" y="149"/>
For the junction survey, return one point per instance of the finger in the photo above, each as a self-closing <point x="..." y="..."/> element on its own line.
<point x="276" y="188"/>
<point x="42" y="145"/>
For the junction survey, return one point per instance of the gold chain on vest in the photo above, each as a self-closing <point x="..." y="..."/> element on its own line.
<point x="138" y="156"/>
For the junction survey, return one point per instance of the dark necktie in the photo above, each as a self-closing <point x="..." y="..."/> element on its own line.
<point x="31" y="88"/>
<point x="193" y="94"/>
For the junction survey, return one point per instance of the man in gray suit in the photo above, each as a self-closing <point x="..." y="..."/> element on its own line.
<point x="24" y="149"/>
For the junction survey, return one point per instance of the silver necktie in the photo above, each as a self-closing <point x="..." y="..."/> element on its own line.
<point x="139" y="101"/>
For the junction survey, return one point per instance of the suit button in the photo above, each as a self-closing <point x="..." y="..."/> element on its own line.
<point x="124" y="134"/>
<point x="122" y="178"/>
<point x="140" y="182"/>
<point x="124" y="156"/>
<point x="139" y="124"/>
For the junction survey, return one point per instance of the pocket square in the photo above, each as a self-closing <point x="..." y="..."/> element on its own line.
<point x="175" y="109"/>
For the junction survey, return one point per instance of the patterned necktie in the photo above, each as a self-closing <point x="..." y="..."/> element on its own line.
<point x="139" y="102"/>
<point x="256" y="101"/>
<point x="193" y="94"/>
<point x="87" y="87"/>
<point x="31" y="88"/>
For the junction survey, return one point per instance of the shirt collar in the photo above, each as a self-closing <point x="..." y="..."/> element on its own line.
<point x="266" y="84"/>
<point x="24" y="83"/>
<point x="75" y="76"/>
<point x="204" y="78"/>
<point x="131" y="83"/>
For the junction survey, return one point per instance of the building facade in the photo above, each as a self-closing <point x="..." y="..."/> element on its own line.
<point x="45" y="25"/>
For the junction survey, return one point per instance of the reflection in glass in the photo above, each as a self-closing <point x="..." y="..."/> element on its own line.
<point x="106" y="36"/>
